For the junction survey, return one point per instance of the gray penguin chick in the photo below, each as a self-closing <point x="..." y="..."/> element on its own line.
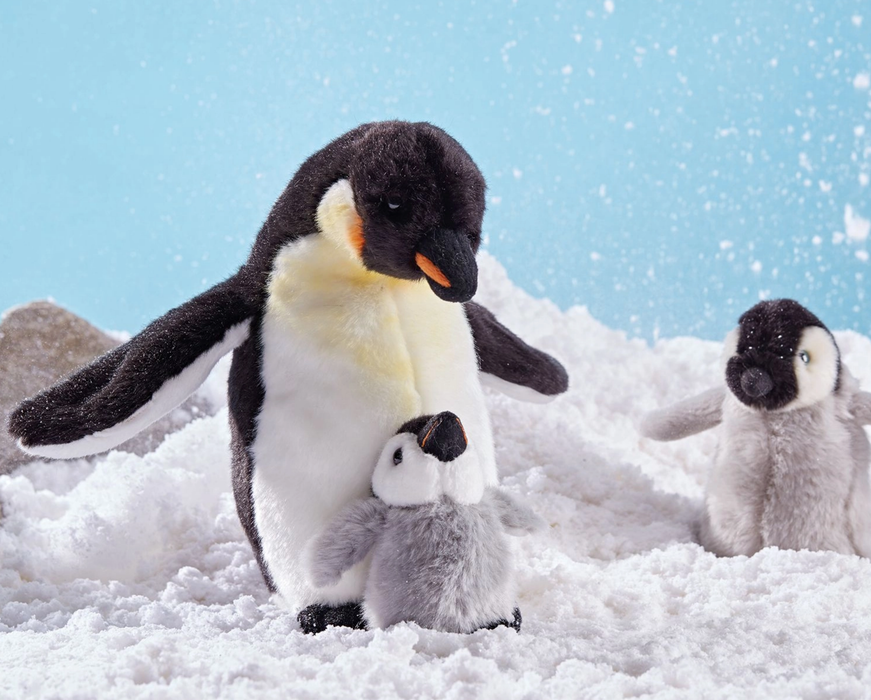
<point x="436" y="535"/>
<point x="791" y="468"/>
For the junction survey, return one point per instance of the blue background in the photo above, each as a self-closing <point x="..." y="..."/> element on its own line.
<point x="665" y="164"/>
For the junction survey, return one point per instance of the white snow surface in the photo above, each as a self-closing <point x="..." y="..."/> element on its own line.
<point x="130" y="577"/>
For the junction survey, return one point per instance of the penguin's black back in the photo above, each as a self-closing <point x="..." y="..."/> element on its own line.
<point x="245" y="399"/>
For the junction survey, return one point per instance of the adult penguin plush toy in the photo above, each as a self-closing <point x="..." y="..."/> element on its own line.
<point x="791" y="468"/>
<point x="351" y="316"/>
<point x="435" y="532"/>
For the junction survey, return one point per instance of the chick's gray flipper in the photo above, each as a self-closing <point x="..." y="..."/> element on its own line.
<point x="685" y="418"/>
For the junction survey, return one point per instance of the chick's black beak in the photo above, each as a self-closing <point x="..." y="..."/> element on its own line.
<point x="756" y="382"/>
<point x="443" y="437"/>
<point x="447" y="260"/>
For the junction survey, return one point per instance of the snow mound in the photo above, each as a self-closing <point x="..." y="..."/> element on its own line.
<point x="131" y="576"/>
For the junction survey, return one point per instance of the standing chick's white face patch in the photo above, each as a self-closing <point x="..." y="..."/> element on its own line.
<point x="816" y="364"/>
<point x="407" y="476"/>
<point x="730" y="347"/>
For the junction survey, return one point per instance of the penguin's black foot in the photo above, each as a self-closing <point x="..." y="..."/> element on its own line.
<point x="515" y="623"/>
<point x="317" y="617"/>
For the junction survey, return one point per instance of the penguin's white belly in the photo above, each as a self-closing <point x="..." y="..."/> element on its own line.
<point x="348" y="356"/>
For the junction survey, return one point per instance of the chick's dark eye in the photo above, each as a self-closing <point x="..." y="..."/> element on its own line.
<point x="394" y="203"/>
<point x="397" y="456"/>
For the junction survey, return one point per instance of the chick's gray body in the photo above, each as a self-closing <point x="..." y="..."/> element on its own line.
<point x="442" y="565"/>
<point x="793" y="479"/>
<point x="435" y="533"/>
<point x="791" y="468"/>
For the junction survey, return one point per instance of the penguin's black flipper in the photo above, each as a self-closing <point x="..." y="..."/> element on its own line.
<point x="510" y="365"/>
<point x="124" y="391"/>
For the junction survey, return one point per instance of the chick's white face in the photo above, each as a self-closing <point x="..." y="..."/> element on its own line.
<point x="816" y="367"/>
<point x="407" y="476"/>
<point x="815" y="360"/>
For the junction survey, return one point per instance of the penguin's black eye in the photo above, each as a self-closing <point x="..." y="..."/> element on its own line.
<point x="394" y="202"/>
<point x="804" y="357"/>
<point x="397" y="456"/>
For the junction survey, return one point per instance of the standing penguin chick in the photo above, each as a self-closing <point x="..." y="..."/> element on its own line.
<point x="436" y="531"/>
<point x="791" y="468"/>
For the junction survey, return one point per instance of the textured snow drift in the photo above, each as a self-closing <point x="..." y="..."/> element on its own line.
<point x="131" y="576"/>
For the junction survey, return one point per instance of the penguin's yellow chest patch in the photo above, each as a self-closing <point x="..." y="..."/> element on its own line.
<point x="344" y="314"/>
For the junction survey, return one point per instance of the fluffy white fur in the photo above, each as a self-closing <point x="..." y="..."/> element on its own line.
<point x="173" y="392"/>
<point x="348" y="356"/>
<point x="336" y="215"/>
<point x="413" y="481"/>
<point x="816" y="378"/>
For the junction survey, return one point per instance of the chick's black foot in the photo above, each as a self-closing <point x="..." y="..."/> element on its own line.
<point x="317" y="617"/>
<point x="515" y="623"/>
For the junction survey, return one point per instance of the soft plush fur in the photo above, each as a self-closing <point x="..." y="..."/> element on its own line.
<point x="126" y="390"/>
<point x="348" y="355"/>
<point x="791" y="468"/>
<point x="439" y="556"/>
<point x="507" y="368"/>
<point x="344" y="326"/>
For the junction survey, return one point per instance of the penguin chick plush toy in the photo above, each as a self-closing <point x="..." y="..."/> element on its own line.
<point x="351" y="316"/>
<point x="435" y="529"/>
<point x="791" y="468"/>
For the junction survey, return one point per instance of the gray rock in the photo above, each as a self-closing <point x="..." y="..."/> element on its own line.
<point x="41" y="343"/>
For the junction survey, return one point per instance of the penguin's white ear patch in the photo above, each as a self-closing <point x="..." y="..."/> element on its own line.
<point x="816" y="364"/>
<point x="730" y="347"/>
<point x="339" y="221"/>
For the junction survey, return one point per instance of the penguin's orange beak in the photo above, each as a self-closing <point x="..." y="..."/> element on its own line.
<point x="431" y="270"/>
<point x="447" y="260"/>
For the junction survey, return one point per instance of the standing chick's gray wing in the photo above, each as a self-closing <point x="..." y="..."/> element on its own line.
<point x="517" y="519"/>
<point x="346" y="541"/>
<point x="685" y="418"/>
<point x="124" y="391"/>
<point x="861" y="407"/>
<point x="510" y="365"/>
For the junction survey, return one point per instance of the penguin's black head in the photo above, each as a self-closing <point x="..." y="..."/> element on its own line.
<point x="781" y="356"/>
<point x="420" y="198"/>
